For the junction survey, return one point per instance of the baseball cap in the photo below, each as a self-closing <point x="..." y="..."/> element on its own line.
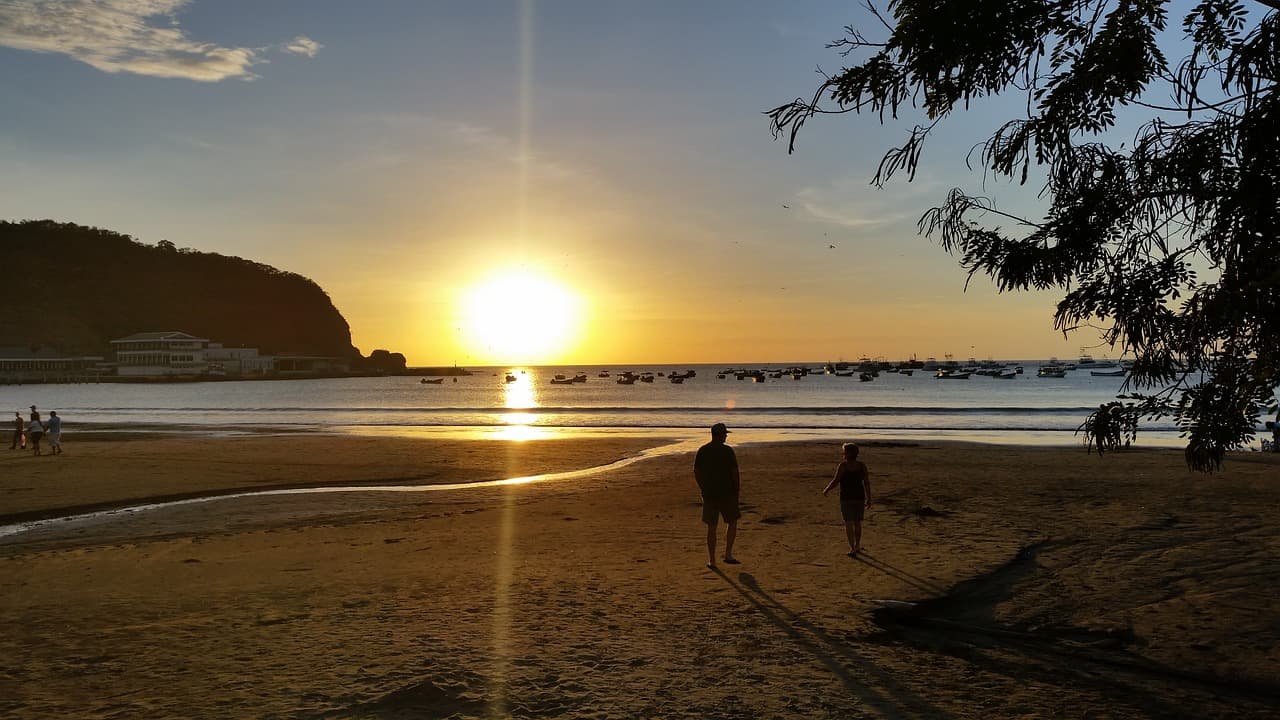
<point x="719" y="428"/>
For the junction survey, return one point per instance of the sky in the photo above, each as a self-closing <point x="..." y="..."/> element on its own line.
<point x="491" y="182"/>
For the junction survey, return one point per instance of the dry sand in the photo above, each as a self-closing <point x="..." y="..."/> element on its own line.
<point x="997" y="582"/>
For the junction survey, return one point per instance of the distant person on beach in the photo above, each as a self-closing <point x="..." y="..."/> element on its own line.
<point x="19" y="437"/>
<point x="715" y="468"/>
<point x="55" y="433"/>
<point x="855" y="495"/>
<point x="35" y="430"/>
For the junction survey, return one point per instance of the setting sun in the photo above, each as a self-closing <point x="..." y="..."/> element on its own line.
<point x="517" y="315"/>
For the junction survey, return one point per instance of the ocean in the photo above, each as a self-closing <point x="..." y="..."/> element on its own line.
<point x="1027" y="409"/>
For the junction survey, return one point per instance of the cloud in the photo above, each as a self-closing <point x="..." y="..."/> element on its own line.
<point x="302" y="45"/>
<point x="119" y="36"/>
<point x="847" y="205"/>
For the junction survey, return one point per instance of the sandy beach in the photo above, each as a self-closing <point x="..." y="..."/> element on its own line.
<point x="997" y="582"/>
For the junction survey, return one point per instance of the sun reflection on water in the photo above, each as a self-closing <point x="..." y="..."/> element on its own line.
<point x="521" y="396"/>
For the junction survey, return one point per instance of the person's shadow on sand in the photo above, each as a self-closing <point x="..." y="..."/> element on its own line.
<point x="876" y="688"/>
<point x="915" y="581"/>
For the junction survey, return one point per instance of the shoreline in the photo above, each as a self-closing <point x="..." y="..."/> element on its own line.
<point x="649" y="446"/>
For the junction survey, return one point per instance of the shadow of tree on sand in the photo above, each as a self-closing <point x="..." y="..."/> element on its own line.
<point x="962" y="624"/>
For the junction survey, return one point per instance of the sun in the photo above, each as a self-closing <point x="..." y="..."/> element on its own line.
<point x="520" y="316"/>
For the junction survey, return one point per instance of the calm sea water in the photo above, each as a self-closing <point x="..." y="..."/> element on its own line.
<point x="1026" y="409"/>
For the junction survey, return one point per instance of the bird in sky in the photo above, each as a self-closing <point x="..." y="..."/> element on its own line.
<point x="787" y="207"/>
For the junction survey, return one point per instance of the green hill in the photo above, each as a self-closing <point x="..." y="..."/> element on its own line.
<point x="77" y="288"/>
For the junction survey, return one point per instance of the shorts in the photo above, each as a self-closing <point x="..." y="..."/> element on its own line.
<point x="714" y="508"/>
<point x="853" y="509"/>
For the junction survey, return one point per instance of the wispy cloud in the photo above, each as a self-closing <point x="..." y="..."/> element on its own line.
<point x="141" y="37"/>
<point x="303" y="45"/>
<point x="847" y="204"/>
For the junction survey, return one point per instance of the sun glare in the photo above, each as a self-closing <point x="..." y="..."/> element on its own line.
<point x="517" y="316"/>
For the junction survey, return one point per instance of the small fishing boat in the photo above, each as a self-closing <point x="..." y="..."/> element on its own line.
<point x="432" y="381"/>
<point x="1118" y="372"/>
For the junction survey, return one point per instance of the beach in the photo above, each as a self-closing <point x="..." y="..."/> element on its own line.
<point x="996" y="581"/>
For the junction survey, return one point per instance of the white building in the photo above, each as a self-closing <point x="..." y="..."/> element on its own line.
<point x="160" y="353"/>
<point x="238" y="360"/>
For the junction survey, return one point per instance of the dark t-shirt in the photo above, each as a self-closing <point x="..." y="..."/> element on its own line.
<point x="851" y="481"/>
<point x="715" y="468"/>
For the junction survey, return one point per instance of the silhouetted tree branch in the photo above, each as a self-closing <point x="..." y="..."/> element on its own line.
<point x="1169" y="244"/>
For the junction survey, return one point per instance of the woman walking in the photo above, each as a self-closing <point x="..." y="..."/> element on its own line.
<point x="35" y="430"/>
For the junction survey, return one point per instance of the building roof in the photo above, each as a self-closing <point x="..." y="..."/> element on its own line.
<point x="163" y="335"/>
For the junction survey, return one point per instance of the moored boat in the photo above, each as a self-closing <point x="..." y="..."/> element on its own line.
<point x="1051" y="371"/>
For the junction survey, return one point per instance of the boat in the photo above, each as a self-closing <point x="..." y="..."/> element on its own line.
<point x="866" y="377"/>
<point x="1006" y="374"/>
<point x="1087" y="361"/>
<point x="1118" y="372"/>
<point x="908" y="372"/>
<point x="677" y="379"/>
<point x="951" y="374"/>
<point x="580" y="378"/>
<point x="844" y="374"/>
<point x="433" y="381"/>
<point x="510" y="378"/>
<point x="603" y="374"/>
<point x="1051" y="371"/>
<point x="626" y="380"/>
<point x="561" y="380"/>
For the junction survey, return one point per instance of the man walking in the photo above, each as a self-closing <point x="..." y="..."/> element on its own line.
<point x="715" y="468"/>
<point x="19" y="438"/>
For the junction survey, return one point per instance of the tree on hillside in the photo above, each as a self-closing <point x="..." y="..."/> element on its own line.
<point x="1166" y="244"/>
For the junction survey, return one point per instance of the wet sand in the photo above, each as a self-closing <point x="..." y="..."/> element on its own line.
<point x="996" y="582"/>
